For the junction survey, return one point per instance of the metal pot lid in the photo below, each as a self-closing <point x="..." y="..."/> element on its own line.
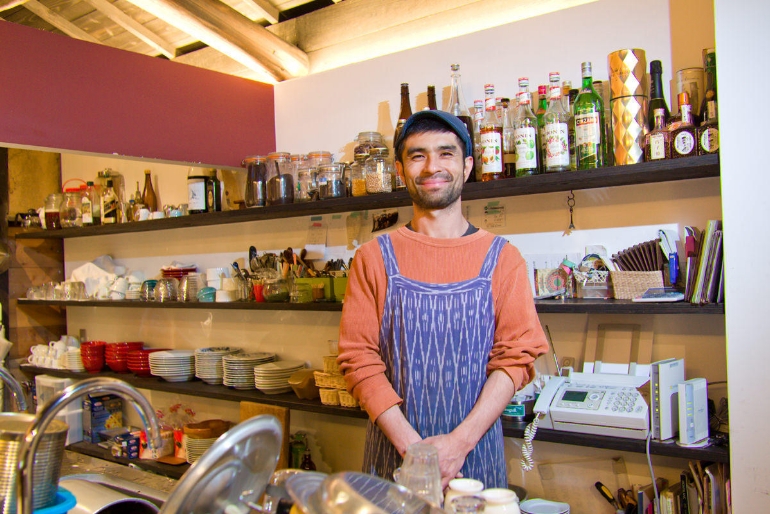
<point x="233" y="472"/>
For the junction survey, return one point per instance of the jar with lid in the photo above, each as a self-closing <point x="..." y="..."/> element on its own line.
<point x="331" y="181"/>
<point x="317" y="158"/>
<point x="366" y="141"/>
<point x="70" y="213"/>
<point x="275" y="290"/>
<point x="280" y="178"/>
<point x="256" y="174"/>
<point x="461" y="487"/>
<point x="358" y="175"/>
<point x="500" y="501"/>
<point x="379" y="171"/>
<point x="52" y="205"/>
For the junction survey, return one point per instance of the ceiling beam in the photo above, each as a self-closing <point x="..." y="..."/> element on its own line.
<point x="255" y="9"/>
<point x="232" y="34"/>
<point x="134" y="27"/>
<point x="59" y="22"/>
<point x="6" y="5"/>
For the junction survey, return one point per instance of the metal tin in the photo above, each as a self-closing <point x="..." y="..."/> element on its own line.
<point x="627" y="70"/>
<point x="629" y="118"/>
<point x="693" y="82"/>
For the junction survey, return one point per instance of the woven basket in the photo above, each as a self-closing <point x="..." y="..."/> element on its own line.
<point x="347" y="399"/>
<point x="330" y="364"/>
<point x="330" y="396"/>
<point x="627" y="285"/>
<point x="329" y="380"/>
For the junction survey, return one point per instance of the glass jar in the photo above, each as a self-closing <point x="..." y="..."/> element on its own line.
<point x="317" y="158"/>
<point x="358" y="175"/>
<point x="307" y="185"/>
<point x="330" y="181"/>
<point x="366" y="141"/>
<point x="256" y="177"/>
<point x="52" y="215"/>
<point x="280" y="178"/>
<point x="275" y="290"/>
<point x="70" y="213"/>
<point x="379" y="172"/>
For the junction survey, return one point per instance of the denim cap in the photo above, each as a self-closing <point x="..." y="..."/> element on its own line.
<point x="452" y="122"/>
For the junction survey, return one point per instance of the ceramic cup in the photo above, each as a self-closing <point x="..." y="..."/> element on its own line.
<point x="144" y="214"/>
<point x="158" y="215"/>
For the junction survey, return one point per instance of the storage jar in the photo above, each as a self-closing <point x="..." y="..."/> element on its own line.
<point x="331" y="183"/>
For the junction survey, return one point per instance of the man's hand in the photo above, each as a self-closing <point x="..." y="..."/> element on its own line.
<point x="451" y="455"/>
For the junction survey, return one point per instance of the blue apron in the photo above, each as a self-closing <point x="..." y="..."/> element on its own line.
<point x="435" y="341"/>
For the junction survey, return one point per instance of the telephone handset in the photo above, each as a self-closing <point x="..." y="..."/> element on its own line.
<point x="540" y="409"/>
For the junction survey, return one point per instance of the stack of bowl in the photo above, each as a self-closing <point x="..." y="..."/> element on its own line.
<point x="116" y="355"/>
<point x="138" y="361"/>
<point x="92" y="355"/>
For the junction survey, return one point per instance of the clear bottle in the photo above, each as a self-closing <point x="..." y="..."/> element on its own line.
<point x="657" y="100"/>
<point x="379" y="172"/>
<point x="571" y="110"/>
<point x="149" y="199"/>
<point x="683" y="140"/>
<point x="86" y="204"/>
<point x="70" y="214"/>
<point x="509" y="143"/>
<point x="358" y="175"/>
<point x="525" y="134"/>
<point x="109" y="205"/>
<point x="432" y="98"/>
<point x="404" y="112"/>
<point x="657" y="144"/>
<point x="589" y="124"/>
<point x="556" y="130"/>
<point x="566" y="87"/>
<point x="491" y="140"/>
<point x="478" y="117"/>
<point x="459" y="108"/>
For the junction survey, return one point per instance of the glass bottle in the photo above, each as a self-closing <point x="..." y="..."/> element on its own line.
<point x="404" y="113"/>
<point x="509" y="143"/>
<point x="432" y="98"/>
<point x="307" y="462"/>
<point x="149" y="199"/>
<point x="379" y="172"/>
<point x="657" y="144"/>
<point x="358" y="175"/>
<point x="556" y="130"/>
<point x="86" y="204"/>
<point x="571" y="110"/>
<point x="491" y="139"/>
<point x="109" y="205"/>
<point x="683" y="138"/>
<point x="459" y="108"/>
<point x="708" y="132"/>
<point x="525" y="134"/>
<point x="657" y="101"/>
<point x="478" y="117"/>
<point x="566" y="87"/>
<point x="70" y="214"/>
<point x="542" y="106"/>
<point x="589" y="124"/>
<point x="138" y="194"/>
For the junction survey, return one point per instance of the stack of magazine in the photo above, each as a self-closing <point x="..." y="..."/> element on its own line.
<point x="704" y="266"/>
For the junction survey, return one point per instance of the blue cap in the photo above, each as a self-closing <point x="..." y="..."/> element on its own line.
<point x="452" y="122"/>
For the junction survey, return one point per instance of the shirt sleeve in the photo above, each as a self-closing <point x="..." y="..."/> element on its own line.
<point x="519" y="337"/>
<point x="359" y="359"/>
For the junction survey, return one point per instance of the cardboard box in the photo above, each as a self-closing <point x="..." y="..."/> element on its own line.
<point x="101" y="412"/>
<point x="167" y="448"/>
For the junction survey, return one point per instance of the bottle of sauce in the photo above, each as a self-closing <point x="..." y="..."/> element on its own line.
<point x="491" y="139"/>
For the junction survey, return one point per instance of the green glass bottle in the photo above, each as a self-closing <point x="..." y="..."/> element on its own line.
<point x="542" y="106"/>
<point x="589" y="124"/>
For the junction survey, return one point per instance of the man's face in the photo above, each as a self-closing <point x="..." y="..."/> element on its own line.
<point x="434" y="168"/>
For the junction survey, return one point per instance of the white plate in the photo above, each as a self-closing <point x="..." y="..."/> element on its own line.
<point x="281" y="365"/>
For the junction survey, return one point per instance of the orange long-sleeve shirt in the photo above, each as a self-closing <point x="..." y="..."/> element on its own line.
<point x="518" y="338"/>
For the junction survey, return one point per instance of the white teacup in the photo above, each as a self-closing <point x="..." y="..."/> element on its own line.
<point x="158" y="215"/>
<point x="57" y="348"/>
<point x="144" y="214"/>
<point x="120" y="285"/>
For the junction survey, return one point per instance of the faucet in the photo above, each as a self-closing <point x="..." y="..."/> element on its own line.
<point x="32" y="438"/>
<point x="16" y="389"/>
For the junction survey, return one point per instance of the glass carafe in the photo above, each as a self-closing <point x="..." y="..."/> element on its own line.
<point x="70" y="213"/>
<point x="280" y="179"/>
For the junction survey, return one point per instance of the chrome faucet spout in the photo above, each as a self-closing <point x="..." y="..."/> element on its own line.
<point x="33" y="436"/>
<point x="16" y="389"/>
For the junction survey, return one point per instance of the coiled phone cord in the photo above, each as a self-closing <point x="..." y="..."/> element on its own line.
<point x="527" y="464"/>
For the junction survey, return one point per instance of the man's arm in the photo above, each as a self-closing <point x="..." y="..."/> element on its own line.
<point x="397" y="429"/>
<point x="455" y="446"/>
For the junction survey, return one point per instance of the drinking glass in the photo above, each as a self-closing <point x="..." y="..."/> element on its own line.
<point x="468" y="504"/>
<point x="420" y="472"/>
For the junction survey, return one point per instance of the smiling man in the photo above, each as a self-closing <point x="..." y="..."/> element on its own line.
<point x="438" y="329"/>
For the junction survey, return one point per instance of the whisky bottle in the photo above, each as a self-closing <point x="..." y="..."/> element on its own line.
<point x="657" y="144"/>
<point x="491" y="131"/>
<point x="589" y="124"/>
<point x="683" y="137"/>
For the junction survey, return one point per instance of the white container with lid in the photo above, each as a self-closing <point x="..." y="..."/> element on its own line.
<point x="461" y="487"/>
<point x="500" y="501"/>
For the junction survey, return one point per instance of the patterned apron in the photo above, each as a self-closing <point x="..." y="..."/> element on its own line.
<point x="435" y="340"/>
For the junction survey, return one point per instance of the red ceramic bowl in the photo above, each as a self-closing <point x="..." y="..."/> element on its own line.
<point x="118" y="366"/>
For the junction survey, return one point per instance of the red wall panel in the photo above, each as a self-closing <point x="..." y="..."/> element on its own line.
<point x="62" y="93"/>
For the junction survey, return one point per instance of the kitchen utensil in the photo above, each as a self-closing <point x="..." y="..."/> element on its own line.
<point x="253" y="259"/>
<point x="604" y="491"/>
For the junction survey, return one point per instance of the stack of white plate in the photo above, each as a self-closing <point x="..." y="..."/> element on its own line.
<point x="208" y="363"/>
<point x="194" y="448"/>
<point x="239" y="368"/>
<point x="74" y="362"/>
<point x="173" y="365"/>
<point x="273" y="377"/>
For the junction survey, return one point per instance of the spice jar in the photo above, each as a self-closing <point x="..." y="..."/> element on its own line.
<point x="70" y="214"/>
<point x="280" y="178"/>
<point x="330" y="181"/>
<point x="52" y="205"/>
<point x="358" y="175"/>
<point x="379" y="171"/>
<point x="256" y="178"/>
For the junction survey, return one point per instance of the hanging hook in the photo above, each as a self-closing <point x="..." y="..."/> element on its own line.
<point x="571" y="205"/>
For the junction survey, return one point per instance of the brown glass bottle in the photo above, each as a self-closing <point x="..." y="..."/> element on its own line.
<point x="683" y="138"/>
<point x="149" y="199"/>
<point x="708" y="132"/>
<point x="432" y="98"/>
<point x="404" y="113"/>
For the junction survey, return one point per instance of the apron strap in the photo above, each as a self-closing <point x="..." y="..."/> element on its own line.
<point x="388" y="256"/>
<point x="490" y="261"/>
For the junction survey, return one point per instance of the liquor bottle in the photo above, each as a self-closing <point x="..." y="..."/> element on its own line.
<point x="432" y="98"/>
<point x="708" y="132"/>
<point x="657" y="144"/>
<point x="491" y="139"/>
<point x="571" y="97"/>
<point x="307" y="463"/>
<point x="556" y="132"/>
<point x="542" y="106"/>
<point x="657" y="101"/>
<point x="478" y="117"/>
<point x="525" y="134"/>
<point x="138" y="194"/>
<point x="149" y="199"/>
<point x="86" y="206"/>
<point x="459" y="108"/>
<point x="589" y="124"/>
<point x="509" y="144"/>
<point x="499" y="109"/>
<point x="109" y="203"/>
<point x="683" y="137"/>
<point x="404" y="113"/>
<point x="566" y="87"/>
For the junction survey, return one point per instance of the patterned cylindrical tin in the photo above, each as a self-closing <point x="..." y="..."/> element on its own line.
<point x="627" y="68"/>
<point x="629" y="120"/>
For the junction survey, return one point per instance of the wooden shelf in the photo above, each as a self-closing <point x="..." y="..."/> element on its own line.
<point x="643" y="173"/>
<point x="290" y="400"/>
<point x="571" y="306"/>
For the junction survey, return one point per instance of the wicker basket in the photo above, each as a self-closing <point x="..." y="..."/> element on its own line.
<point x="627" y="285"/>
<point x="329" y="380"/>
<point x="330" y="396"/>
<point x="330" y="364"/>
<point x="347" y="399"/>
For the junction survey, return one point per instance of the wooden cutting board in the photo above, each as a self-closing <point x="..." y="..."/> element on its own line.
<point x="251" y="409"/>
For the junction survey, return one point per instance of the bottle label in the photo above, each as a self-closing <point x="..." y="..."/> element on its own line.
<point x="110" y="211"/>
<point x="587" y="130"/>
<point x="196" y="195"/>
<point x="684" y="142"/>
<point x="85" y="209"/>
<point x="657" y="147"/>
<point x="526" y="152"/>
<point x="491" y="153"/>
<point x="709" y="140"/>
<point x="556" y="145"/>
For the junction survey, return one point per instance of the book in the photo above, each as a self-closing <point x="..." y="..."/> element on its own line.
<point x="660" y="294"/>
<point x="706" y="260"/>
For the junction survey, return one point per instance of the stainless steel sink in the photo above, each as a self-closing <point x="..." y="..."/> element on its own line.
<point x="125" y="487"/>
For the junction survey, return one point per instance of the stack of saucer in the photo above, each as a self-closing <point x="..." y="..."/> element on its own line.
<point x="208" y="363"/>
<point x="273" y="377"/>
<point x="74" y="362"/>
<point x="195" y="448"/>
<point x="239" y="368"/>
<point x="173" y="365"/>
